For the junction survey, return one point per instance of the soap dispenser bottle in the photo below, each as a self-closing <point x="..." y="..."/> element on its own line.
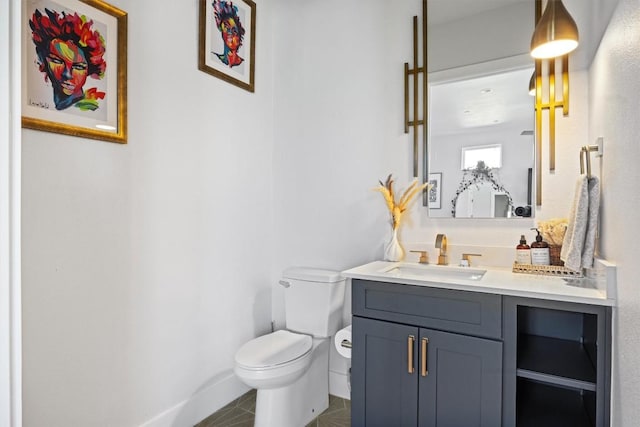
<point x="523" y="252"/>
<point x="540" y="251"/>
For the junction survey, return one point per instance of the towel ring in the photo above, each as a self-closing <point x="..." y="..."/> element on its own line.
<point x="585" y="153"/>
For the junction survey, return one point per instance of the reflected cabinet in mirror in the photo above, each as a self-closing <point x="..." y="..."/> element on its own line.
<point x="481" y="147"/>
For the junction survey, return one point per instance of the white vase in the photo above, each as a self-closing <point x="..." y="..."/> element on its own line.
<point x="393" y="250"/>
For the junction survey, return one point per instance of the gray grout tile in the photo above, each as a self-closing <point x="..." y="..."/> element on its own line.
<point x="244" y="419"/>
<point x="247" y="402"/>
<point x="225" y="419"/>
<point x="241" y="413"/>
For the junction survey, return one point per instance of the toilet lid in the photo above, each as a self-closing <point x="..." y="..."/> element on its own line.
<point x="273" y="349"/>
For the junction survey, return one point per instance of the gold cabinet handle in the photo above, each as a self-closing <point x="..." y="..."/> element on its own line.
<point x="423" y="361"/>
<point x="410" y="340"/>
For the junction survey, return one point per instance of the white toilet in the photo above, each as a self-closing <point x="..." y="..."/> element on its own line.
<point x="290" y="368"/>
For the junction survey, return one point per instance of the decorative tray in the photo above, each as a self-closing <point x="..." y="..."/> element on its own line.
<point x="547" y="270"/>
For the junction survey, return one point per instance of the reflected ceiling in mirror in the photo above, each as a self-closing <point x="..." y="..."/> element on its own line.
<point x="482" y="104"/>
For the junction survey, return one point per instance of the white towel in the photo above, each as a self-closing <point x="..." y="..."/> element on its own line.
<point x="592" y="223"/>
<point x="579" y="240"/>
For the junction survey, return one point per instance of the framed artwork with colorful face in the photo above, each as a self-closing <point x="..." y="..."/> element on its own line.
<point x="227" y="41"/>
<point x="75" y="68"/>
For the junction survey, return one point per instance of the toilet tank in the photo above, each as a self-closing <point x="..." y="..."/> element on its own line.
<point x="314" y="299"/>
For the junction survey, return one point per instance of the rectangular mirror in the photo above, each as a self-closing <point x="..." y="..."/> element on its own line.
<point x="478" y="88"/>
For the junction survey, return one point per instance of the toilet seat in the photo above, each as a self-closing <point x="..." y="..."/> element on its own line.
<point x="274" y="360"/>
<point x="273" y="350"/>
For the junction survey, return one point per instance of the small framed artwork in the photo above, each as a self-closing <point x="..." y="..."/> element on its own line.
<point x="227" y="41"/>
<point x="74" y="57"/>
<point x="435" y="192"/>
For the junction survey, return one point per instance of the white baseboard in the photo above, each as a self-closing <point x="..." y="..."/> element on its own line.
<point x="203" y="403"/>
<point x="223" y="390"/>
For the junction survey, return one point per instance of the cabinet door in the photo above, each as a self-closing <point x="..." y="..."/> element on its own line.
<point x="384" y="391"/>
<point x="463" y="384"/>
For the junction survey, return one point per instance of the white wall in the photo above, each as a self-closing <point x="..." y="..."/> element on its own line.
<point x="338" y="129"/>
<point x="147" y="265"/>
<point x="10" y="297"/>
<point x="614" y="105"/>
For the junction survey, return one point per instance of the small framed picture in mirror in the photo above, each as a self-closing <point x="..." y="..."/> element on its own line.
<point x="435" y="192"/>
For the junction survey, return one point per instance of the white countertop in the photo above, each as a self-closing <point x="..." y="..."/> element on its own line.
<point x="596" y="289"/>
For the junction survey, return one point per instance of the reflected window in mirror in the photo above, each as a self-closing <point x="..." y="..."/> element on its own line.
<point x="490" y="155"/>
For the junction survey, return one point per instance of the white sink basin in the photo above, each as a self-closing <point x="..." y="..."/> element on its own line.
<point x="434" y="272"/>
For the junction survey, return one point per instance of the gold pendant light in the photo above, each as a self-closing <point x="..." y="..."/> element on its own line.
<point x="556" y="33"/>
<point x="549" y="23"/>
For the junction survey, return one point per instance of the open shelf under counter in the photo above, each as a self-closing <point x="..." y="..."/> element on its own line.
<point x="555" y="360"/>
<point x="550" y="406"/>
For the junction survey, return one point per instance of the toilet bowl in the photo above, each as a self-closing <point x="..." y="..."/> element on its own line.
<point x="292" y="393"/>
<point x="274" y="360"/>
<point x="290" y="368"/>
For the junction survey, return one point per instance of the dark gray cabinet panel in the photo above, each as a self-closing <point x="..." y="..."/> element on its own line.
<point x="383" y="391"/>
<point x="463" y="386"/>
<point x="470" y="313"/>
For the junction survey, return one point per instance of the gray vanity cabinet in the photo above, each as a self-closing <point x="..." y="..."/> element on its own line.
<point x="434" y="357"/>
<point x="425" y="357"/>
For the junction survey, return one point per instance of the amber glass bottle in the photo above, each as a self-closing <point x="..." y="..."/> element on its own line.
<point x="523" y="252"/>
<point x="540" y="251"/>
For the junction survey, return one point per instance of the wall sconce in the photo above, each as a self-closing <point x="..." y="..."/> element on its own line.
<point x="412" y="73"/>
<point x="555" y="26"/>
<point x="556" y="33"/>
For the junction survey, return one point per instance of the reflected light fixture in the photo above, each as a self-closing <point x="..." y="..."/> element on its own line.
<point x="532" y="84"/>
<point x="556" y="33"/>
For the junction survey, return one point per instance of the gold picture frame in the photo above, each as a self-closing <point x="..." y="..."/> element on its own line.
<point x="75" y="68"/>
<point x="227" y="41"/>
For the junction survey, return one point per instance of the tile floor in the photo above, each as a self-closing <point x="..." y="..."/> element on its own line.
<point x="240" y="413"/>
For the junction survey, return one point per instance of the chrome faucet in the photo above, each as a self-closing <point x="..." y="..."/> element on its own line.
<point x="441" y="243"/>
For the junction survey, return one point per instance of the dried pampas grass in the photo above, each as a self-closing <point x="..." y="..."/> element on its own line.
<point x="397" y="209"/>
